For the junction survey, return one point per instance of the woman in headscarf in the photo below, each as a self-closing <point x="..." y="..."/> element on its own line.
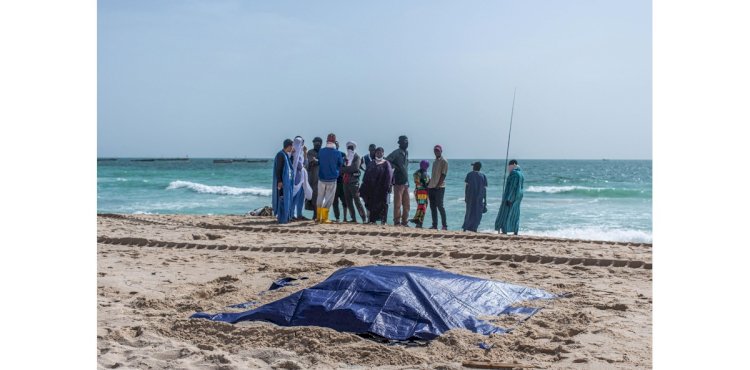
<point x="376" y="186"/>
<point x="350" y="182"/>
<point x="301" y="189"/>
<point x="421" y="179"/>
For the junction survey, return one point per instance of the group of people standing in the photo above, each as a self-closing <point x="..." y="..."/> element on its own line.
<point x="326" y="177"/>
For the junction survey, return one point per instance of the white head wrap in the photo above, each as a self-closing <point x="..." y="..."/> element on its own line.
<point x="350" y="153"/>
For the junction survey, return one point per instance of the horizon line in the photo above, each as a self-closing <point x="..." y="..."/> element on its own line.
<point x="462" y="158"/>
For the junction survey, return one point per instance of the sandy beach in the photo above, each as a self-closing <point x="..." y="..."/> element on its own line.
<point x="154" y="271"/>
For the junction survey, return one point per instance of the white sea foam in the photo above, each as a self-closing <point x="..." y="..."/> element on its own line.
<point x="560" y="189"/>
<point x="221" y="190"/>
<point x="596" y="233"/>
<point x="590" y="233"/>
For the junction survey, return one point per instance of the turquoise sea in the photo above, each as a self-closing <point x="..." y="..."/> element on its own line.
<point x="587" y="199"/>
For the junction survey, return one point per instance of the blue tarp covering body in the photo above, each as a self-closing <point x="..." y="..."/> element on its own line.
<point x="394" y="302"/>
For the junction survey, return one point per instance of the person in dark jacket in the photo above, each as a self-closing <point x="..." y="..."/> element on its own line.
<point x="399" y="159"/>
<point x="351" y="176"/>
<point x="312" y="173"/>
<point x="339" y="196"/>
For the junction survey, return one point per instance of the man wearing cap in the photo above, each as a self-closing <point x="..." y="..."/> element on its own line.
<point x="475" y="196"/>
<point x="436" y="187"/>
<point x="312" y="173"/>
<point x="329" y="164"/>
<point x="399" y="159"/>
<point x="508" y="219"/>
<point x="281" y="195"/>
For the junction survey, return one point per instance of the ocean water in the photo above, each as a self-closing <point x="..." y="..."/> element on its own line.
<point x="587" y="199"/>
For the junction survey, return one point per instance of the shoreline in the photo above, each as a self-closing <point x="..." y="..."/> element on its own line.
<point x="411" y="230"/>
<point x="154" y="271"/>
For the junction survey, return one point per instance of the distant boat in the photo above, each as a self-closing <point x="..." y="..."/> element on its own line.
<point x="241" y="160"/>
<point x="159" y="159"/>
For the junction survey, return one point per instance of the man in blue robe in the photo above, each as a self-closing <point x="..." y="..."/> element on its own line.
<point x="476" y="198"/>
<point x="281" y="197"/>
<point x="508" y="219"/>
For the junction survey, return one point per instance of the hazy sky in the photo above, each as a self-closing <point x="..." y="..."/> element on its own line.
<point x="234" y="78"/>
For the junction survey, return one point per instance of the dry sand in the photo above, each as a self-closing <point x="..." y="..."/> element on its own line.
<point x="155" y="271"/>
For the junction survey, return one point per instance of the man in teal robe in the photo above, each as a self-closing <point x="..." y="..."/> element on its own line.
<point x="508" y="219"/>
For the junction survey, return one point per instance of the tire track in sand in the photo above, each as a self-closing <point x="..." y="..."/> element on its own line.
<point x="396" y="234"/>
<point x="526" y="258"/>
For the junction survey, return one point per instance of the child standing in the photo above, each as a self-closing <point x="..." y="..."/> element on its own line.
<point x="421" y="179"/>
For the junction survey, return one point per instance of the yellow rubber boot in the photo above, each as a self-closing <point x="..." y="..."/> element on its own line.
<point x="325" y="219"/>
<point x="319" y="213"/>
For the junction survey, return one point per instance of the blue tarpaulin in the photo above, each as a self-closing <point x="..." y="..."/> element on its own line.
<point x="287" y="281"/>
<point x="394" y="302"/>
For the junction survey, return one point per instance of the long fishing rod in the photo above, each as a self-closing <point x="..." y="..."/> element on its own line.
<point x="505" y="165"/>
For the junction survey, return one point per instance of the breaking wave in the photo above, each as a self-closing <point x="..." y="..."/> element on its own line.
<point x="590" y="233"/>
<point x="586" y="191"/>
<point x="596" y="233"/>
<point x="221" y="190"/>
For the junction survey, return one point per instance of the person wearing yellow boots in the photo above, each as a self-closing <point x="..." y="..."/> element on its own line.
<point x="329" y="164"/>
